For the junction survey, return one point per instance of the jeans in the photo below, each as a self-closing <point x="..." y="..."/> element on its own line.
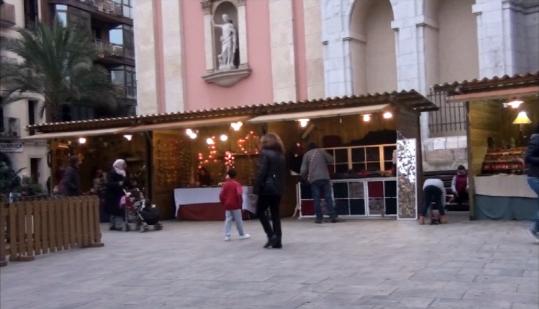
<point x="233" y="215"/>
<point x="319" y="188"/>
<point x="433" y="194"/>
<point x="534" y="185"/>
<point x="270" y="202"/>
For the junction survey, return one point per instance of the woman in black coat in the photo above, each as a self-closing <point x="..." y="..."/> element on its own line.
<point x="269" y="187"/>
<point x="114" y="189"/>
<point x="532" y="161"/>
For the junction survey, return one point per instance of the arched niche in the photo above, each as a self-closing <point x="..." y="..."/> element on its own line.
<point x="225" y="9"/>
<point x="451" y="45"/>
<point x="372" y="47"/>
<point x="225" y="68"/>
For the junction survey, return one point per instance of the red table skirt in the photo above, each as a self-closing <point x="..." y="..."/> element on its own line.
<point x="203" y="212"/>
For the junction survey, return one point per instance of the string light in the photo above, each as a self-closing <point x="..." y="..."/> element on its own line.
<point x="82" y="140"/>
<point x="303" y="122"/>
<point x="236" y="126"/>
<point x="367" y="118"/>
<point x="128" y="137"/>
<point x="388" y="115"/>
<point x="223" y="137"/>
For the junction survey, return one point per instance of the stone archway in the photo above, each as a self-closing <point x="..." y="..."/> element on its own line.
<point x="341" y="45"/>
<point x="372" y="47"/>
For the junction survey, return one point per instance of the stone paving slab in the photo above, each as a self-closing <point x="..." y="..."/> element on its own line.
<point x="355" y="264"/>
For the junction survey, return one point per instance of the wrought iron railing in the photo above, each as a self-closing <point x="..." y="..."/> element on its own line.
<point x="450" y="119"/>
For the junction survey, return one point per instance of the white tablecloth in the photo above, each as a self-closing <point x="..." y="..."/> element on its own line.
<point x="208" y="195"/>
<point x="504" y="185"/>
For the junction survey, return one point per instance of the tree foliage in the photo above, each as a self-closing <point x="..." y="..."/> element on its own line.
<point x="57" y="64"/>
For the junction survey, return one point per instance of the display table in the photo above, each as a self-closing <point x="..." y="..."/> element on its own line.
<point x="504" y="197"/>
<point x="203" y="203"/>
<point x="356" y="197"/>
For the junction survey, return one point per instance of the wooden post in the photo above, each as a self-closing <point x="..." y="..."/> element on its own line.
<point x="51" y="224"/>
<point x="36" y="210"/>
<point x="93" y="223"/>
<point x="3" y="232"/>
<point x="45" y="243"/>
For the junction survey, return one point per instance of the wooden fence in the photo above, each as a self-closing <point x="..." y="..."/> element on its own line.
<point x="34" y="227"/>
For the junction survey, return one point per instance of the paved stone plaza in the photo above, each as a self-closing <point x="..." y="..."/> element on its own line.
<point x="355" y="264"/>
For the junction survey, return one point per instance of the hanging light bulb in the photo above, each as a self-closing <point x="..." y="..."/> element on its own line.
<point x="128" y="137"/>
<point x="388" y="115"/>
<point x="223" y="137"/>
<point x="367" y="118"/>
<point x="514" y="104"/>
<point x="82" y="140"/>
<point x="210" y="141"/>
<point x="522" y="118"/>
<point x="236" y="126"/>
<point x="191" y="133"/>
<point x="303" y="122"/>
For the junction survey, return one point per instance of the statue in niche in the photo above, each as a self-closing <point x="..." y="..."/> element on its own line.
<point x="229" y="43"/>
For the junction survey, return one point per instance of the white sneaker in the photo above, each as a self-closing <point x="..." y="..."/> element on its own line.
<point x="245" y="236"/>
<point x="228" y="238"/>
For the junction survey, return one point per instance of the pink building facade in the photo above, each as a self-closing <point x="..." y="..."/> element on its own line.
<point x="179" y="44"/>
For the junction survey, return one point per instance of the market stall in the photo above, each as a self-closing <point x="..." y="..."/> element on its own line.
<point x="501" y="115"/>
<point x="184" y="156"/>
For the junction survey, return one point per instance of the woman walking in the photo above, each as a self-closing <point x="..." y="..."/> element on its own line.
<point x="269" y="186"/>
<point x="532" y="160"/>
<point x="114" y="190"/>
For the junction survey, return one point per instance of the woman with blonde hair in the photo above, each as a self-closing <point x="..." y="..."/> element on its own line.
<point x="269" y="187"/>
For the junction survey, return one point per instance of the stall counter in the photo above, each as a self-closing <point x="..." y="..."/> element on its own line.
<point x="504" y="197"/>
<point x="203" y="203"/>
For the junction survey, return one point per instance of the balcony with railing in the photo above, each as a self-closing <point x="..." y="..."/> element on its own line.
<point x="7" y="15"/>
<point x="109" y="11"/>
<point x="114" y="53"/>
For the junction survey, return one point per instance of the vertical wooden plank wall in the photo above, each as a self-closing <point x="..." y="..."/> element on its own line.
<point x="33" y="227"/>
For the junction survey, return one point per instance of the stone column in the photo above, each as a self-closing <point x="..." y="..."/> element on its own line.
<point x="145" y="57"/>
<point x="173" y="69"/>
<point x="335" y="34"/>
<point x="282" y="50"/>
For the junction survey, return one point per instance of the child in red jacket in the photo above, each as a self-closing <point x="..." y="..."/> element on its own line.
<point x="231" y="198"/>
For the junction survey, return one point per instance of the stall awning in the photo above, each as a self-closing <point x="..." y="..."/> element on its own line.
<point x="320" y="113"/>
<point x="75" y="134"/>
<point x="185" y="124"/>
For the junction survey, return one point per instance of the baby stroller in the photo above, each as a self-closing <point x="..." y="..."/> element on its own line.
<point x="140" y="214"/>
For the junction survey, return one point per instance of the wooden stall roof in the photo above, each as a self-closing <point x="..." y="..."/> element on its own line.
<point x="411" y="100"/>
<point x="529" y="80"/>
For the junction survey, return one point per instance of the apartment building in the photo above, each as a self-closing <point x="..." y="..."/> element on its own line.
<point x="110" y="24"/>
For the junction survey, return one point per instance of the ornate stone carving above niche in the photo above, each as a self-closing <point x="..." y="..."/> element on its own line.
<point x="225" y="41"/>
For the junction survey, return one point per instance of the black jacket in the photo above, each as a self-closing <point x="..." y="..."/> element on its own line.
<point x="70" y="183"/>
<point x="114" y="190"/>
<point x="270" y="174"/>
<point x="532" y="156"/>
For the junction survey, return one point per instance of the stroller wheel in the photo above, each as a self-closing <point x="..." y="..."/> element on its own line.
<point x="126" y="227"/>
<point x="158" y="227"/>
<point x="144" y="229"/>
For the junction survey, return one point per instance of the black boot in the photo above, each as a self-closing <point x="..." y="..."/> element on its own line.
<point x="277" y="243"/>
<point x="271" y="241"/>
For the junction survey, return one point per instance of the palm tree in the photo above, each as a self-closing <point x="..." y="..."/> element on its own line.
<point x="57" y="64"/>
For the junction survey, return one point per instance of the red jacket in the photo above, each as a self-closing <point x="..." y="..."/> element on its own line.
<point x="231" y="195"/>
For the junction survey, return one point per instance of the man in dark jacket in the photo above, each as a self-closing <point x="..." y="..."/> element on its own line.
<point x="70" y="183"/>
<point x="314" y="169"/>
<point x="532" y="161"/>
